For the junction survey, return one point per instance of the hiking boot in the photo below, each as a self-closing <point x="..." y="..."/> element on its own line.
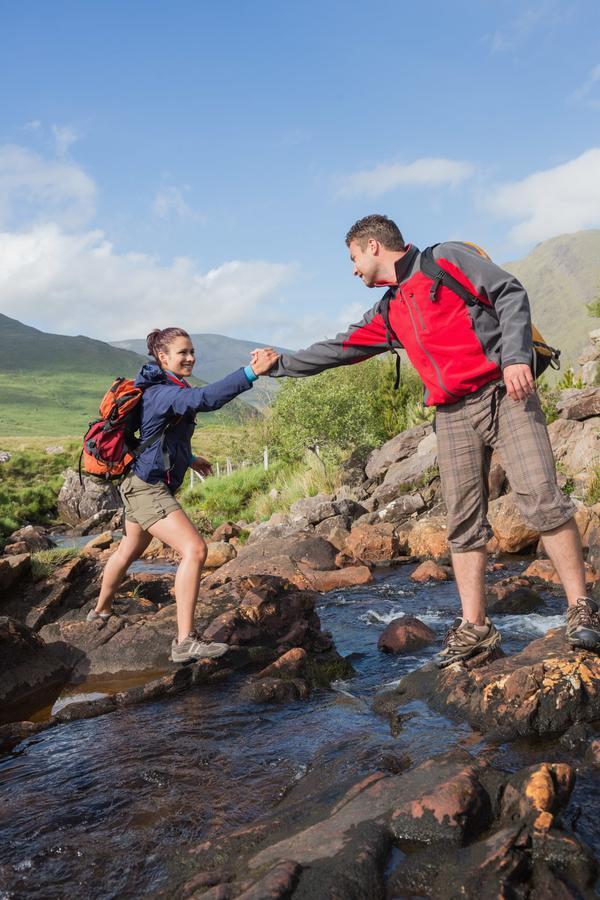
<point x="464" y="640"/>
<point x="583" y="624"/>
<point x="94" y="616"/>
<point x="192" y="647"/>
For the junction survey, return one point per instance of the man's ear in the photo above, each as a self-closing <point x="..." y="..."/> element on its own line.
<point x="373" y="246"/>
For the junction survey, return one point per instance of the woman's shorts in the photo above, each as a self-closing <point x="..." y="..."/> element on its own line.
<point x="145" y="504"/>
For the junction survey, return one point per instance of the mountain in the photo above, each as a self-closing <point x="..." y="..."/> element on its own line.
<point x="51" y="384"/>
<point x="218" y="355"/>
<point x="562" y="275"/>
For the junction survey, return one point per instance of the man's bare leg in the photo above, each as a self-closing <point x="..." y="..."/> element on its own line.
<point x="563" y="546"/>
<point x="469" y="571"/>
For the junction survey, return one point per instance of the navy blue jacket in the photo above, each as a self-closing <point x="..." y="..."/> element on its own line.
<point x="164" y="401"/>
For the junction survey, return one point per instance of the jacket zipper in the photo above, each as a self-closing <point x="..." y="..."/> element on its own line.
<point x="427" y="354"/>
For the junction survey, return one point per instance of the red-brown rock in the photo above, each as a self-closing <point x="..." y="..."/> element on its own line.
<point x="429" y="571"/>
<point x="405" y="634"/>
<point x="373" y="543"/>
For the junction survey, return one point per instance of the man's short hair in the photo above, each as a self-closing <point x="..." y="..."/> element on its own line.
<point x="378" y="227"/>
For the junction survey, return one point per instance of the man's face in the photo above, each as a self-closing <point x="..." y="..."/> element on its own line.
<point x="365" y="261"/>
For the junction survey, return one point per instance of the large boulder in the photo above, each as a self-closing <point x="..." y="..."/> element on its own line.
<point x="395" y="450"/>
<point x="428" y="537"/>
<point x="510" y="530"/>
<point x="77" y="501"/>
<point x="33" y="536"/>
<point x="305" y="560"/>
<point x="405" y="634"/>
<point x="14" y="569"/>
<point x="576" y="447"/>
<point x="544" y="689"/>
<point x="410" y="473"/>
<point x="373" y="543"/>
<point x="30" y="670"/>
<point x="314" y="509"/>
<point x="219" y="553"/>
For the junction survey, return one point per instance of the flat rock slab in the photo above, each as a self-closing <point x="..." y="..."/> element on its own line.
<point x="29" y="668"/>
<point x="544" y="689"/>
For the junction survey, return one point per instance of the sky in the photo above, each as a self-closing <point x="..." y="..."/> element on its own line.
<point x="198" y="164"/>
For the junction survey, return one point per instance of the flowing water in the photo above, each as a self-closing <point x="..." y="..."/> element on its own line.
<point x="111" y="807"/>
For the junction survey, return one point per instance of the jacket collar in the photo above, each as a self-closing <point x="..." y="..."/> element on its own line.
<point x="406" y="264"/>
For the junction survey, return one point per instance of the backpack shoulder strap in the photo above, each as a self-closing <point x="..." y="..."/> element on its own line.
<point x="384" y="311"/>
<point x="440" y="276"/>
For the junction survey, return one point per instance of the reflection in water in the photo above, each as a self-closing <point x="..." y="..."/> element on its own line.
<point x="119" y="801"/>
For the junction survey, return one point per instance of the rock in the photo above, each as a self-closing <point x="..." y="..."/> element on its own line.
<point x="352" y="471"/>
<point x="579" y="404"/>
<point x="544" y="689"/>
<point x="291" y="664"/>
<point x="413" y="472"/>
<point x="313" y="509"/>
<point x="72" y="585"/>
<point x="33" y="536"/>
<point x="279" y="526"/>
<point x="99" y="542"/>
<point x="576" y="447"/>
<point x="30" y="670"/>
<point x="54" y="450"/>
<point x="335" y="530"/>
<point x="226" y="531"/>
<point x="401" y="508"/>
<point x="428" y="537"/>
<point x="109" y="517"/>
<point x="16" y="549"/>
<point x="14" y="569"/>
<point x="405" y="634"/>
<point x="395" y="450"/>
<point x="543" y="570"/>
<point x="593" y="752"/>
<point x="496" y="478"/>
<point x="508" y="526"/>
<point x="512" y="595"/>
<point x="275" y="690"/>
<point x="373" y="543"/>
<point x="219" y="553"/>
<point x="429" y="571"/>
<point x="77" y="502"/>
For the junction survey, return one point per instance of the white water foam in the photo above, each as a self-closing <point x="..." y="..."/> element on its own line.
<point x="531" y="624"/>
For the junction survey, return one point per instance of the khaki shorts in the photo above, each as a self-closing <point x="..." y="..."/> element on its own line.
<point x="145" y="504"/>
<point x="467" y="432"/>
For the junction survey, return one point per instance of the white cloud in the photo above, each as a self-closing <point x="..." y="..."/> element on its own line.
<point x="565" y="198"/>
<point x="169" y="202"/>
<point x="33" y="189"/>
<point x="426" y="172"/>
<point x="587" y="92"/>
<point x="64" y="136"/>
<point x="78" y="283"/>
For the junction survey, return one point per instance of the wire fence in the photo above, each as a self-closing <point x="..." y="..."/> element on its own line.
<point x="222" y="471"/>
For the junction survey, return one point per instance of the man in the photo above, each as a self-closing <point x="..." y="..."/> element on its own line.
<point x="475" y="360"/>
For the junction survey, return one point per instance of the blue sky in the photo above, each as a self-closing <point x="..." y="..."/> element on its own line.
<point x="199" y="164"/>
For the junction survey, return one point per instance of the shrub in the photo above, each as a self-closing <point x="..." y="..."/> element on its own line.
<point x="43" y="562"/>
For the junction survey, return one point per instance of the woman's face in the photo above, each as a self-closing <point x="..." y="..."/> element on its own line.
<point x="179" y="357"/>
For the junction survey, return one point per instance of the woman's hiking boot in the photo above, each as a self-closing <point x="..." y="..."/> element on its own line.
<point x="464" y="640"/>
<point x="192" y="647"/>
<point x="583" y="624"/>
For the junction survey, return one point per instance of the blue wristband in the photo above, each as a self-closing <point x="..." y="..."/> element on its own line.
<point x="192" y="459"/>
<point x="250" y="374"/>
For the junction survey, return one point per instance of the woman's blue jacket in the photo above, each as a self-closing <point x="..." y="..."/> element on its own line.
<point x="165" y="402"/>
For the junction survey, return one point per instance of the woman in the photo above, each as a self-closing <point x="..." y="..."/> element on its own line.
<point x="168" y="410"/>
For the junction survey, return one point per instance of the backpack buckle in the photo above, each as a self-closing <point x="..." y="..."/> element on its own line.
<point x="434" y="286"/>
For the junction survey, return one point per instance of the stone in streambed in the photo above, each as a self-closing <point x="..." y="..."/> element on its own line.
<point x="512" y="595"/>
<point x="430" y="571"/>
<point x="405" y="634"/>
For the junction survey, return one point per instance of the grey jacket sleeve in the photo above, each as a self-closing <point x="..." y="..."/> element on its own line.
<point x="502" y="290"/>
<point x="361" y="341"/>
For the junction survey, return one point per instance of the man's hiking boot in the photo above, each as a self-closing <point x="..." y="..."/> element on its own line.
<point x="464" y="640"/>
<point x="192" y="647"/>
<point x="583" y="624"/>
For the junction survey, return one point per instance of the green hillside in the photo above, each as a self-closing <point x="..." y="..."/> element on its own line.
<point x="52" y="384"/>
<point x="562" y="275"/>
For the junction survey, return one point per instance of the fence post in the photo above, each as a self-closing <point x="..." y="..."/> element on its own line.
<point x="192" y="473"/>
<point x="266" y="459"/>
<point x="229" y="466"/>
<point x="218" y="470"/>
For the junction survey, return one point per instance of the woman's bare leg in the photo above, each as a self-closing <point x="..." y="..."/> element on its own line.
<point x="132" y="545"/>
<point x="177" y="531"/>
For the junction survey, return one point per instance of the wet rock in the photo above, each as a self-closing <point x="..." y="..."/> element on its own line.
<point x="77" y="502"/>
<point x="544" y="689"/>
<point x="395" y="450"/>
<point x="34" y="536"/>
<point x="512" y="595"/>
<point x="579" y="404"/>
<point x="373" y="543"/>
<point x="29" y="668"/>
<point x="291" y="664"/>
<point x="543" y="570"/>
<point x="430" y="571"/>
<point x="537" y="793"/>
<point x="593" y="752"/>
<point x="275" y="690"/>
<point x="508" y="526"/>
<point x="428" y="538"/>
<point x="14" y="569"/>
<point x="219" y="553"/>
<point x="405" y="634"/>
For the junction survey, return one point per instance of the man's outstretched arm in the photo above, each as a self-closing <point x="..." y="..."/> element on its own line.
<point x="361" y="341"/>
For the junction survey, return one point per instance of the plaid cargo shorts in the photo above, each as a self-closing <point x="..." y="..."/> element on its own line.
<point x="467" y="433"/>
